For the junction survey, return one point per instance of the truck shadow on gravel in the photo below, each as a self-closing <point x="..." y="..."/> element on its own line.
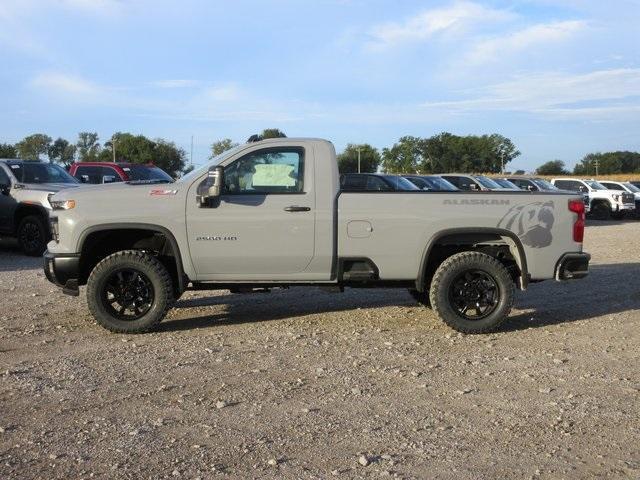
<point x="609" y="289"/>
<point x="12" y="259"/>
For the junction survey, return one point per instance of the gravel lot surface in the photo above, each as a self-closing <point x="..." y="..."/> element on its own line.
<point x="307" y="384"/>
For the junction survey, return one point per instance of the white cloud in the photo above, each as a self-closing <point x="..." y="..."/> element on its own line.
<point x="63" y="84"/>
<point x="425" y="24"/>
<point x="598" y="93"/>
<point x="92" y="6"/>
<point x="493" y="49"/>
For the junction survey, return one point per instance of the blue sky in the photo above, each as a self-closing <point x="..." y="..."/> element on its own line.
<point x="560" y="78"/>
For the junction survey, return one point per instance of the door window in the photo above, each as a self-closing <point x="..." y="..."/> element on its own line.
<point x="571" y="185"/>
<point x="273" y="170"/>
<point x="4" y="178"/>
<point x="377" y="184"/>
<point x="89" y="174"/>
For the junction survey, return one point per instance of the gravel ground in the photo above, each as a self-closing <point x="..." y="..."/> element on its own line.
<point x="307" y="384"/>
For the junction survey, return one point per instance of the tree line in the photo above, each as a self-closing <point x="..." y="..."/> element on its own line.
<point x="87" y="148"/>
<point x="594" y="164"/>
<point x="444" y="152"/>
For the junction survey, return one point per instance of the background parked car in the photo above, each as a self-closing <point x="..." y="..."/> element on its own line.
<point x="431" y="183"/>
<point x="109" y="172"/>
<point x="467" y="182"/>
<point x="374" y="182"/>
<point x="25" y="188"/>
<point x="627" y="187"/>
<point x="537" y="184"/>
<point x="506" y="184"/>
<point x="604" y="203"/>
<point x="635" y="183"/>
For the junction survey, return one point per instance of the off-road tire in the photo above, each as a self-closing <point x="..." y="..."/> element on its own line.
<point x="601" y="211"/>
<point x="452" y="268"/>
<point x="32" y="235"/>
<point x="421" y="297"/>
<point x="155" y="272"/>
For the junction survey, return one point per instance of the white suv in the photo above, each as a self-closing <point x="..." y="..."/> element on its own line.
<point x="626" y="187"/>
<point x="604" y="203"/>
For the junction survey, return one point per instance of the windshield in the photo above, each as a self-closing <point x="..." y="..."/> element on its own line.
<point x="506" y="183"/>
<point x="543" y="184"/>
<point x="201" y="170"/>
<point x="146" y="172"/>
<point x="595" y="185"/>
<point x="400" y="183"/>
<point x="631" y="187"/>
<point x="487" y="182"/>
<point x="37" y="172"/>
<point x="438" y="184"/>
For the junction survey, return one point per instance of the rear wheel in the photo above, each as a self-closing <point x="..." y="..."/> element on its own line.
<point x="129" y="292"/>
<point x="32" y="235"/>
<point x="472" y="292"/>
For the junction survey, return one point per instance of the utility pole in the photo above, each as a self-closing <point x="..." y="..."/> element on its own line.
<point x="113" y="147"/>
<point x="597" y="164"/>
<point x="358" y="159"/>
<point x="192" y="150"/>
<point x="502" y="163"/>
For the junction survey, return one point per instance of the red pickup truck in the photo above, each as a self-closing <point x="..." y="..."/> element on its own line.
<point x="108" y="172"/>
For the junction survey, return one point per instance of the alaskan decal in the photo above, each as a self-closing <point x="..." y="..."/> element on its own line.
<point x="531" y="222"/>
<point x="476" y="201"/>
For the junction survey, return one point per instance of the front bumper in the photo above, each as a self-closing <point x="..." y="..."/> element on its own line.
<point x="572" y="266"/>
<point x="625" y="207"/>
<point x="63" y="270"/>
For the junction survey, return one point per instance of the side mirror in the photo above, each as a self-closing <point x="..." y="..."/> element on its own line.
<point x="532" y="188"/>
<point x="84" y="178"/>
<point x="108" y="179"/>
<point x="473" y="186"/>
<point x="582" y="189"/>
<point x="213" y="185"/>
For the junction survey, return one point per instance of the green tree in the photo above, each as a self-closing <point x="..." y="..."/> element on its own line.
<point x="369" y="159"/>
<point x="608" y="163"/>
<point x="267" y="133"/>
<point x="33" y="146"/>
<point x="221" y="146"/>
<point x="552" y="167"/>
<point x="404" y="157"/>
<point x="61" y="151"/>
<point x="88" y="147"/>
<point x="446" y="152"/>
<point x="8" y="151"/>
<point x="140" y="149"/>
<point x="169" y="157"/>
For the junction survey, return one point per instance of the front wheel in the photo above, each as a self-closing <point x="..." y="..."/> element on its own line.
<point x="32" y="235"/>
<point x="601" y="211"/>
<point x="472" y="292"/>
<point x="129" y="292"/>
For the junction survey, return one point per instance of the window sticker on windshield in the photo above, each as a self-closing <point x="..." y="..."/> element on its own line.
<point x="15" y="166"/>
<point x="126" y="169"/>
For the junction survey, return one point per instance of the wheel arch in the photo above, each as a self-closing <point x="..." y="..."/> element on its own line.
<point x="137" y="233"/>
<point x="471" y="237"/>
<point x="25" y="209"/>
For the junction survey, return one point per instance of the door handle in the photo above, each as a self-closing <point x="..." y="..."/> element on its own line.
<point x="295" y="208"/>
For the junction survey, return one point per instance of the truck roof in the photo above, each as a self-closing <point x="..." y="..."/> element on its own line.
<point x="113" y="164"/>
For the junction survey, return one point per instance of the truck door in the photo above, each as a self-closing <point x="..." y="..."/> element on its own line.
<point x="7" y="203"/>
<point x="264" y="223"/>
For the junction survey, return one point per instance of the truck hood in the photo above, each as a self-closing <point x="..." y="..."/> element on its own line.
<point x="46" y="187"/>
<point x="118" y="191"/>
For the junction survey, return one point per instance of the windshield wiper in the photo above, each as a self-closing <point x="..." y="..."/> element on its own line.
<point x="149" y="182"/>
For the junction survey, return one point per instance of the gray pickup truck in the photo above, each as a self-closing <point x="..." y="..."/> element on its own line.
<point x="271" y="214"/>
<point x="25" y="188"/>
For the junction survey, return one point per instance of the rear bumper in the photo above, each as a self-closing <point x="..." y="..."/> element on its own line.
<point x="573" y="266"/>
<point x="63" y="270"/>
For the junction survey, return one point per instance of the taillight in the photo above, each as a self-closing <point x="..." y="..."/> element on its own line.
<point x="577" y="206"/>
